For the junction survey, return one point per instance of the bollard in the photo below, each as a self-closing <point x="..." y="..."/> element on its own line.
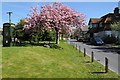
<point x="84" y="52"/>
<point x="79" y="49"/>
<point x="106" y="64"/>
<point x="92" y="56"/>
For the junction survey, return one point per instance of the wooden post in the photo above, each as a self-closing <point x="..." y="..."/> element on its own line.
<point x="106" y="64"/>
<point x="72" y="44"/>
<point x="92" y="56"/>
<point x="84" y="52"/>
<point x="79" y="49"/>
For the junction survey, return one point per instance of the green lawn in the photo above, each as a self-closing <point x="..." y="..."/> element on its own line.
<point x="41" y="62"/>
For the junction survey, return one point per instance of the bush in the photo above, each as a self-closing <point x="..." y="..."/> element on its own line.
<point x="55" y="46"/>
<point x="48" y="36"/>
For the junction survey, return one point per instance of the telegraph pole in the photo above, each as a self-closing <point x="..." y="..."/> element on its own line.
<point x="9" y="13"/>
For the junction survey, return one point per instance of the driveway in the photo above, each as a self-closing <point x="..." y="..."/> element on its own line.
<point x="100" y="52"/>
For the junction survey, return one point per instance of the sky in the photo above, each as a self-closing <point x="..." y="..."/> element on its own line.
<point x="90" y="9"/>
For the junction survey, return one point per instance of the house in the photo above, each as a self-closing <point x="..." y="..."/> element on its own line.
<point x="108" y="19"/>
<point x="93" y="26"/>
<point x="102" y="26"/>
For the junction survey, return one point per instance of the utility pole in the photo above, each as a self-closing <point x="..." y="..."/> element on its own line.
<point x="9" y="13"/>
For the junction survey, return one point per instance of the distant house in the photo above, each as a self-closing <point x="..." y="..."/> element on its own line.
<point x="102" y="26"/>
<point x="93" y="26"/>
<point x="108" y="19"/>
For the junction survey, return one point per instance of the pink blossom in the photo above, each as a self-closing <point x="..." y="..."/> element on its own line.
<point x="55" y="15"/>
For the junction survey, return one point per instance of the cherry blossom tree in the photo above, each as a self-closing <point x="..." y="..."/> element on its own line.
<point x="55" y="16"/>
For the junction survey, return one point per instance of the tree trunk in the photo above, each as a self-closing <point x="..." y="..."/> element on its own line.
<point x="14" y="42"/>
<point x="62" y="36"/>
<point x="57" y="36"/>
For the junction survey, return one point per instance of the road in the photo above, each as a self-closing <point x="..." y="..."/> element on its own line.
<point x="100" y="52"/>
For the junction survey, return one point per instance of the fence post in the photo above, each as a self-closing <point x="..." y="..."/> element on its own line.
<point x="84" y="52"/>
<point x="73" y="45"/>
<point x="106" y="64"/>
<point x="79" y="49"/>
<point x="92" y="56"/>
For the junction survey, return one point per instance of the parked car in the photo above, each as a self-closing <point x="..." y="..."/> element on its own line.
<point x="80" y="39"/>
<point x="83" y="40"/>
<point x="96" y="41"/>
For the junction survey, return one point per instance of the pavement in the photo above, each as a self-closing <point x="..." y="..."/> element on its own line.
<point x="100" y="52"/>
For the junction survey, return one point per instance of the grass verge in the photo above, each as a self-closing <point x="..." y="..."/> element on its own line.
<point x="41" y="62"/>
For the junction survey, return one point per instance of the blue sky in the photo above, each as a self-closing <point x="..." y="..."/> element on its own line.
<point x="90" y="9"/>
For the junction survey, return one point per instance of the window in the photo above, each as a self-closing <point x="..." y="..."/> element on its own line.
<point x="94" y="25"/>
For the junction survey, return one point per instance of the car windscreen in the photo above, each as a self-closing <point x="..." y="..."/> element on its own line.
<point x="98" y="39"/>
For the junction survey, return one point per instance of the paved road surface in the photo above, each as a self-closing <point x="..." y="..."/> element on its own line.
<point x="100" y="52"/>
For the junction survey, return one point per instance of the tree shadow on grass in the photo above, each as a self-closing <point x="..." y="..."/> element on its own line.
<point x="46" y="45"/>
<point x="28" y="44"/>
<point x="99" y="72"/>
<point x="87" y="61"/>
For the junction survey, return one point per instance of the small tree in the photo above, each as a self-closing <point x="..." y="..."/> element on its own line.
<point x="116" y="26"/>
<point x="19" y="30"/>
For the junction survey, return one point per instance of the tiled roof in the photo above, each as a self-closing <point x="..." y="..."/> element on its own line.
<point x="109" y="18"/>
<point x="94" y="20"/>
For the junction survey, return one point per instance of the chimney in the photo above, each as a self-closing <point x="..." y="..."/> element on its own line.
<point x="116" y="11"/>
